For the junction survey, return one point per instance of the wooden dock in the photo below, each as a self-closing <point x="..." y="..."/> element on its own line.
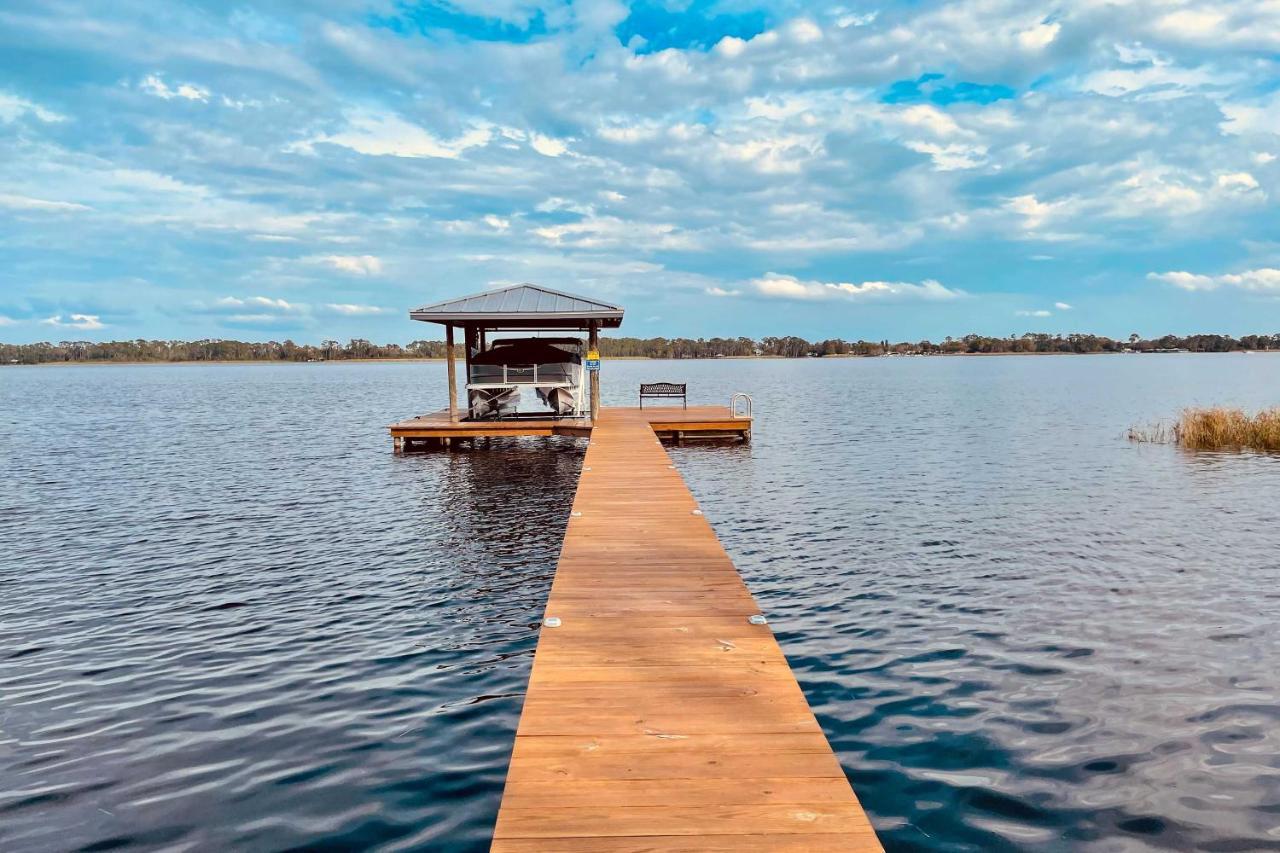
<point x="672" y="422"/>
<point x="658" y="717"/>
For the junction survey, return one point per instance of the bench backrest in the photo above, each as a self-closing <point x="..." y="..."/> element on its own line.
<point x="662" y="389"/>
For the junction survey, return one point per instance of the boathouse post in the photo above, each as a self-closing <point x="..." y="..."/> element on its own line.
<point x="469" y="349"/>
<point x="593" y="345"/>
<point x="453" y="374"/>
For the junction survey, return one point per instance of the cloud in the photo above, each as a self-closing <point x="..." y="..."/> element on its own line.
<point x="598" y="232"/>
<point x="7" y="321"/>
<point x="1039" y="313"/>
<point x="852" y="19"/>
<point x="1238" y="181"/>
<point x="1264" y="279"/>
<point x="256" y="312"/>
<point x="804" y="31"/>
<point x="1034" y="212"/>
<point x="387" y="134"/>
<point x="1039" y="37"/>
<point x="947" y="158"/>
<point x="21" y="202"/>
<point x="361" y="265"/>
<point x="548" y="146"/>
<point x="720" y="291"/>
<point x="13" y="108"/>
<point x="80" y="322"/>
<point x="1062" y="306"/>
<point x="779" y="286"/>
<point x="153" y="84"/>
<point x="349" y="310"/>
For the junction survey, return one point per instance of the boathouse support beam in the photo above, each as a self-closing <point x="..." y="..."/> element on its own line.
<point x="593" y="344"/>
<point x="469" y="349"/>
<point x="453" y="374"/>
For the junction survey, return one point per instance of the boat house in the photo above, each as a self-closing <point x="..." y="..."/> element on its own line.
<point x="525" y="374"/>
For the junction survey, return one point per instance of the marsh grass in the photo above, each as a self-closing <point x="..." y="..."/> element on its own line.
<point x="1216" y="429"/>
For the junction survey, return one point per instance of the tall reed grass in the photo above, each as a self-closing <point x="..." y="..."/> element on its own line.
<point x="1216" y="429"/>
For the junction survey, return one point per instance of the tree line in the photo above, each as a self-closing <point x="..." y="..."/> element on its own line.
<point x="778" y="347"/>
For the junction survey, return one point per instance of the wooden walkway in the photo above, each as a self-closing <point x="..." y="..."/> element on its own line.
<point x="658" y="718"/>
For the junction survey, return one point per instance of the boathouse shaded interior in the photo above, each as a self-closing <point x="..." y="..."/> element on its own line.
<point x="521" y="308"/>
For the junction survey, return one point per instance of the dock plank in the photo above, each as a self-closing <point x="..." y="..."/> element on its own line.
<point x="658" y="718"/>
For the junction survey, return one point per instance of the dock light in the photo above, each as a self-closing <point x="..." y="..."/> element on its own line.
<point x="697" y="512"/>
<point x="575" y="515"/>
<point x="758" y="619"/>
<point x="586" y="469"/>
<point x="551" y="622"/>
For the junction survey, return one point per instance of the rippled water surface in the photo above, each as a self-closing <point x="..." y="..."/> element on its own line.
<point x="230" y="617"/>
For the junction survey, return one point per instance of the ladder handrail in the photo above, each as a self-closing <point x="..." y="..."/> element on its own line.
<point x="733" y="405"/>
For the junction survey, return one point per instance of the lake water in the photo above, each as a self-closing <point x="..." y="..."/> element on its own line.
<point x="230" y="617"/>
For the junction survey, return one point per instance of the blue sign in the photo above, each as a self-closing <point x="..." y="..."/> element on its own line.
<point x="593" y="364"/>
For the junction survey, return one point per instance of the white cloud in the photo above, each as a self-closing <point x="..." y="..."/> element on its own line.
<point x="7" y="321"/>
<point x="387" y="134"/>
<point x="1264" y="279"/>
<point x="22" y="202"/>
<point x="730" y="46"/>
<point x="81" y="322"/>
<point x="497" y="223"/>
<point x="948" y="158"/>
<point x="153" y="84"/>
<point x="931" y="119"/>
<point x="265" y="302"/>
<point x="353" y="264"/>
<point x="1040" y="313"/>
<point x="1116" y="82"/>
<point x="720" y="291"/>
<point x="1034" y="212"/>
<point x="13" y="107"/>
<point x="1192" y="24"/>
<point x="548" y="146"/>
<point x="1262" y="158"/>
<point x="1158" y="190"/>
<point x="1240" y="181"/>
<point x="804" y="31"/>
<point x="1039" y="37"/>
<point x="852" y="19"/>
<point x="350" y="310"/>
<point x="789" y="287"/>
<point x="595" y="232"/>
<point x="1062" y="306"/>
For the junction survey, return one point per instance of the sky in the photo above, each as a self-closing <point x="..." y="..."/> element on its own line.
<point x="903" y="170"/>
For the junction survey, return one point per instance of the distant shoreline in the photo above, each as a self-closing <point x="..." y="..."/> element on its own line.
<point x="415" y="360"/>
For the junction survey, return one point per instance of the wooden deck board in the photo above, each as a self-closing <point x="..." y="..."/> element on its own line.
<point x="658" y="718"/>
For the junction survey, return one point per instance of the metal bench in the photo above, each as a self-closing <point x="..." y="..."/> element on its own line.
<point x="663" y="389"/>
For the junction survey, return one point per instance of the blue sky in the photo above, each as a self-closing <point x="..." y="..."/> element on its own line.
<point x="863" y="170"/>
